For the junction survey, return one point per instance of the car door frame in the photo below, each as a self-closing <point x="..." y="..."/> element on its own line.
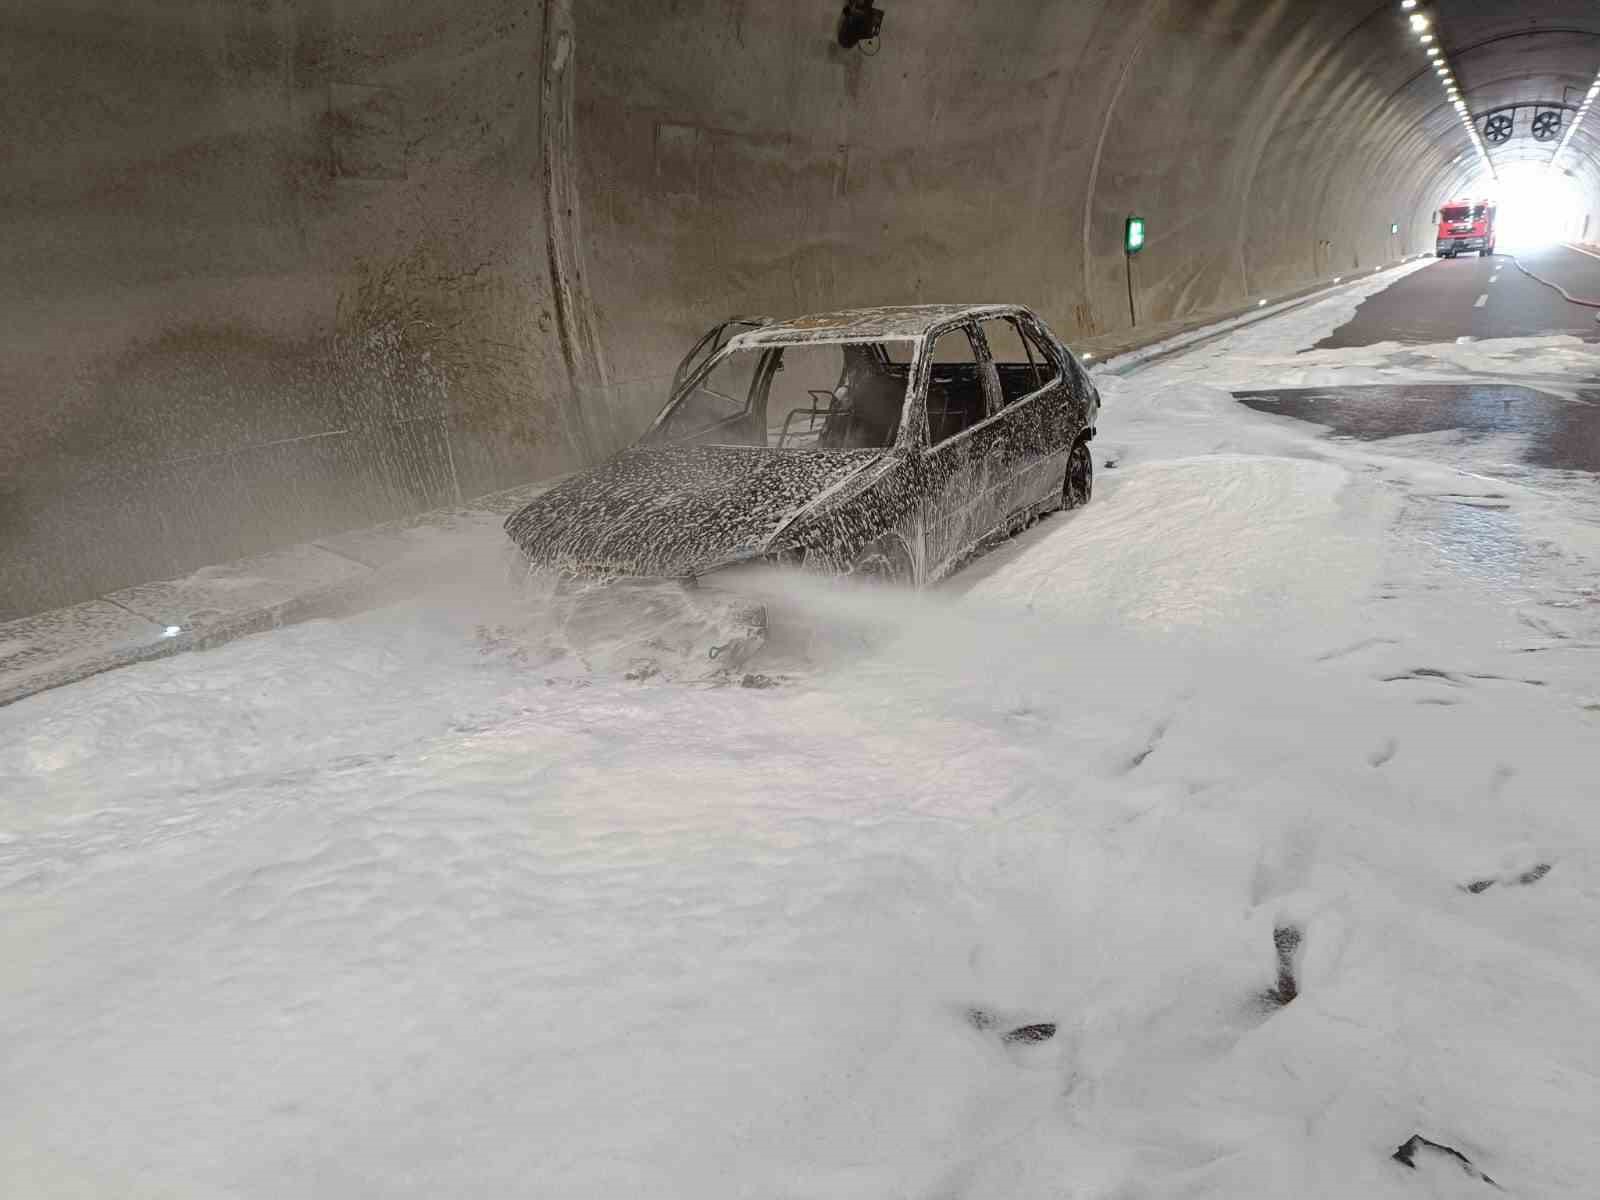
<point x="718" y="336"/>
<point x="1078" y="403"/>
<point x="1041" y="437"/>
<point x="955" y="525"/>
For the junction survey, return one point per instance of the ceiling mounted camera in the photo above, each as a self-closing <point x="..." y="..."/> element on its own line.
<point x="859" y="23"/>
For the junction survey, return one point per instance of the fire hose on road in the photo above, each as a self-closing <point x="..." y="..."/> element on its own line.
<point x="1571" y="299"/>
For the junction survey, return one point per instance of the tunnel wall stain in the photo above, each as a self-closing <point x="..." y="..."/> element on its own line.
<point x="280" y="268"/>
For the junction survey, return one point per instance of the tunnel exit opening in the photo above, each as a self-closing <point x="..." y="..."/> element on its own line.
<point x="1537" y="205"/>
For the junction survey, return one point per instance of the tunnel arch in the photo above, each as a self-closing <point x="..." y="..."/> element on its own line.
<point x="1544" y="51"/>
<point x="218" y="210"/>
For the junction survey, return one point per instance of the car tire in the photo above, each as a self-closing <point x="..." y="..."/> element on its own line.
<point x="885" y="561"/>
<point x="1078" y="487"/>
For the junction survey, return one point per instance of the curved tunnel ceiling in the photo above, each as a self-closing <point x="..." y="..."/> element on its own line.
<point x="1504" y="54"/>
<point x="1290" y="133"/>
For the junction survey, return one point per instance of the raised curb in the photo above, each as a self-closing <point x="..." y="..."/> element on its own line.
<point x="1152" y="341"/>
<point x="333" y="576"/>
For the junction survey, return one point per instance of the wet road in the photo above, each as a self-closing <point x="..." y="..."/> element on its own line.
<point x="1455" y="300"/>
<point x="1555" y="431"/>
<point x="1479" y="298"/>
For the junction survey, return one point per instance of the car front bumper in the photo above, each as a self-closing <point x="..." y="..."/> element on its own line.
<point x="1447" y="245"/>
<point x="625" y="620"/>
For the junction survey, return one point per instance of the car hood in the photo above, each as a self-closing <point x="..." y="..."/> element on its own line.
<point x="677" y="510"/>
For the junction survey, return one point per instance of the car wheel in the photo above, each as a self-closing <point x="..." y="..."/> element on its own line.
<point x="1079" y="485"/>
<point x="885" y="561"/>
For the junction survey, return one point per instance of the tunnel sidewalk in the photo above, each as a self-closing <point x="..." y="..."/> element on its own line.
<point x="347" y="572"/>
<point x="1125" y="348"/>
<point x="332" y="576"/>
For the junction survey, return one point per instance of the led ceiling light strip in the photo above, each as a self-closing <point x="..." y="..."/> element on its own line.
<point x="1422" y="26"/>
<point x="1583" y="111"/>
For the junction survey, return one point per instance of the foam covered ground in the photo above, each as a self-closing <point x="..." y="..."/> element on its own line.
<point x="381" y="908"/>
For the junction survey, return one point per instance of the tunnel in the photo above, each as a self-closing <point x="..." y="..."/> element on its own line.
<point x="281" y="268"/>
<point x="812" y="599"/>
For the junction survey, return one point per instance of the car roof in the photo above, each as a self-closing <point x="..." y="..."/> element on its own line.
<point x="897" y="321"/>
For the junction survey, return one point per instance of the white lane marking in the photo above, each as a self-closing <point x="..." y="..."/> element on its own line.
<point x="1580" y="250"/>
<point x="1481" y="301"/>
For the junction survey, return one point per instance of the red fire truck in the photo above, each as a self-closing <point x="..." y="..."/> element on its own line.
<point x="1466" y="225"/>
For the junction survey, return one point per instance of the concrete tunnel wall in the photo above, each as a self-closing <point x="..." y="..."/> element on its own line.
<point x="275" y="268"/>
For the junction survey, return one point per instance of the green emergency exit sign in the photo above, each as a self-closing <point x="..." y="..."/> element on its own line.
<point x="1133" y="235"/>
<point x="1394" y="228"/>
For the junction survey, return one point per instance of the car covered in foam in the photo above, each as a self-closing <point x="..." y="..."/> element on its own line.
<point x="890" y="442"/>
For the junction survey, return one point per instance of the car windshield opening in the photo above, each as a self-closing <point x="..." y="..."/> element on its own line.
<point x="805" y="396"/>
<point x="1455" y="214"/>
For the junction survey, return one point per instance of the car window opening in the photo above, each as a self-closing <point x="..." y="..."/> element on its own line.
<point x="712" y="341"/>
<point x="957" y="395"/>
<point x="1022" y="366"/>
<point x="846" y="396"/>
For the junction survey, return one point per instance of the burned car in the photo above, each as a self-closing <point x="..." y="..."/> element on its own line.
<point x="887" y="442"/>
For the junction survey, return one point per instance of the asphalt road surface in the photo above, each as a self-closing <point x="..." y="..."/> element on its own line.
<point x="1556" y="432"/>
<point x="1480" y="298"/>
<point x="1450" y="300"/>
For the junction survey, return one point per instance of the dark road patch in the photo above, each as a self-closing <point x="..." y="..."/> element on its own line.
<point x="1156" y="734"/>
<point x="1354" y="648"/>
<point x="1424" y="673"/>
<point x="1286" y="941"/>
<point x="1509" y="679"/>
<point x="1559" y="433"/>
<point x="1512" y="879"/>
<point x="1041" y="1032"/>
<point x="1418" y="1149"/>
<point x="1033" y="1033"/>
